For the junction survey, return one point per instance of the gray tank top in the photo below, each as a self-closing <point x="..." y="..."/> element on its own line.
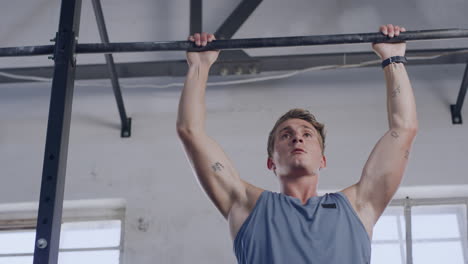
<point x="281" y="230"/>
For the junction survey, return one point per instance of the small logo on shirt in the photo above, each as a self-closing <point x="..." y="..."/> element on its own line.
<point x="330" y="205"/>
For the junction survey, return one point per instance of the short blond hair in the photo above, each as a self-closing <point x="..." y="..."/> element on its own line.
<point x="298" y="113"/>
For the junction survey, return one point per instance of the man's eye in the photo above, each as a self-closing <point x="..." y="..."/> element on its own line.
<point x="285" y="136"/>
<point x="307" y="134"/>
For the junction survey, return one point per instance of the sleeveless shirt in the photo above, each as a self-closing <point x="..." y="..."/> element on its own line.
<point x="280" y="229"/>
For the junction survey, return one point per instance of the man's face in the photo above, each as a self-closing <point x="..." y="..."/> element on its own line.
<point x="297" y="150"/>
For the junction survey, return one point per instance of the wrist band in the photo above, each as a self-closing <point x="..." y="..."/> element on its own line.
<point x="396" y="59"/>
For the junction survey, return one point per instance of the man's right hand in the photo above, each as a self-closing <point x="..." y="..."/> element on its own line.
<point x="206" y="57"/>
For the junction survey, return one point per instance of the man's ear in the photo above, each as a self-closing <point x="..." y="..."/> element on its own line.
<point x="270" y="164"/>
<point x="324" y="162"/>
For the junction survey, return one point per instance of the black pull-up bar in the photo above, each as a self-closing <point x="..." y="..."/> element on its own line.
<point x="241" y="43"/>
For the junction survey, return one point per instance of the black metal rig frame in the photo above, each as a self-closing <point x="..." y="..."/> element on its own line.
<point x="66" y="47"/>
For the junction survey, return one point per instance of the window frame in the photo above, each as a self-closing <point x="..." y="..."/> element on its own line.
<point x="409" y="203"/>
<point x="23" y="216"/>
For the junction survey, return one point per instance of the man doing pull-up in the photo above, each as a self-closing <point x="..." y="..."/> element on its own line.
<point x="296" y="225"/>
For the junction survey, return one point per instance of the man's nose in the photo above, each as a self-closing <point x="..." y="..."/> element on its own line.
<point x="297" y="139"/>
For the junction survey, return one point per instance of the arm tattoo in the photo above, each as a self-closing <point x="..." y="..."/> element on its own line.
<point x="396" y="91"/>
<point x="217" y="167"/>
<point x="407" y="154"/>
<point x="394" y="134"/>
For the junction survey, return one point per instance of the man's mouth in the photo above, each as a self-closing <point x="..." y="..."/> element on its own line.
<point x="298" y="150"/>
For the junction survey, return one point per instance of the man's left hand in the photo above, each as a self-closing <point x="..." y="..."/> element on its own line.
<point x="387" y="50"/>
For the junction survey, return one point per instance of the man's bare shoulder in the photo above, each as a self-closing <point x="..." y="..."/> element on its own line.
<point x="350" y="193"/>
<point x="243" y="207"/>
<point x="361" y="209"/>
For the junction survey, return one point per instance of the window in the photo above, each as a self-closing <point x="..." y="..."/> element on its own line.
<point x="438" y="233"/>
<point x="389" y="237"/>
<point x="88" y="235"/>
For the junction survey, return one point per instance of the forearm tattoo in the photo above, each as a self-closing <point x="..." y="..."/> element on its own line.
<point x="396" y="91"/>
<point x="217" y="167"/>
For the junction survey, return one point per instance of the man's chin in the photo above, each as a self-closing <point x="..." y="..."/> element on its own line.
<point x="298" y="164"/>
<point x="299" y="169"/>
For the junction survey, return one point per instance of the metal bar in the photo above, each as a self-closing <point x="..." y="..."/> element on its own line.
<point x="58" y="129"/>
<point x="233" y="55"/>
<point x="237" y="18"/>
<point x="461" y="218"/>
<point x="272" y="42"/>
<point x="255" y="64"/>
<point x="64" y="250"/>
<point x="124" y="120"/>
<point x="456" y="108"/>
<point x="466" y="232"/>
<point x="400" y="238"/>
<point x="26" y="51"/>
<point x="431" y="201"/>
<point x="395" y="241"/>
<point x="409" y="235"/>
<point x="196" y="18"/>
<point x="299" y="62"/>
<point x="247" y="43"/>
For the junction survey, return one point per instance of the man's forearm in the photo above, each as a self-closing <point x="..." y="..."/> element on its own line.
<point x="191" y="115"/>
<point x="401" y="105"/>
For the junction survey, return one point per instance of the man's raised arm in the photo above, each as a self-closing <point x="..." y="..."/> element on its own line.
<point x="383" y="171"/>
<point x="213" y="168"/>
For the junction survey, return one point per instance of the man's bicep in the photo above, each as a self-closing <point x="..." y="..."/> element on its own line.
<point x="215" y="172"/>
<point x="383" y="171"/>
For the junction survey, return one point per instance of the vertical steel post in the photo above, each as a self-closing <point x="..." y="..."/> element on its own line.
<point x="409" y="234"/>
<point x="58" y="128"/>
<point x="126" y="122"/>
<point x="196" y="18"/>
<point x="466" y="232"/>
<point x="400" y="238"/>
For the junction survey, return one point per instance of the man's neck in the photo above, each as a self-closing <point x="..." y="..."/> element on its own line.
<point x="302" y="187"/>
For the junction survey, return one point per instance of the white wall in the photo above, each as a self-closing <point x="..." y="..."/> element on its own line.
<point x="150" y="170"/>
